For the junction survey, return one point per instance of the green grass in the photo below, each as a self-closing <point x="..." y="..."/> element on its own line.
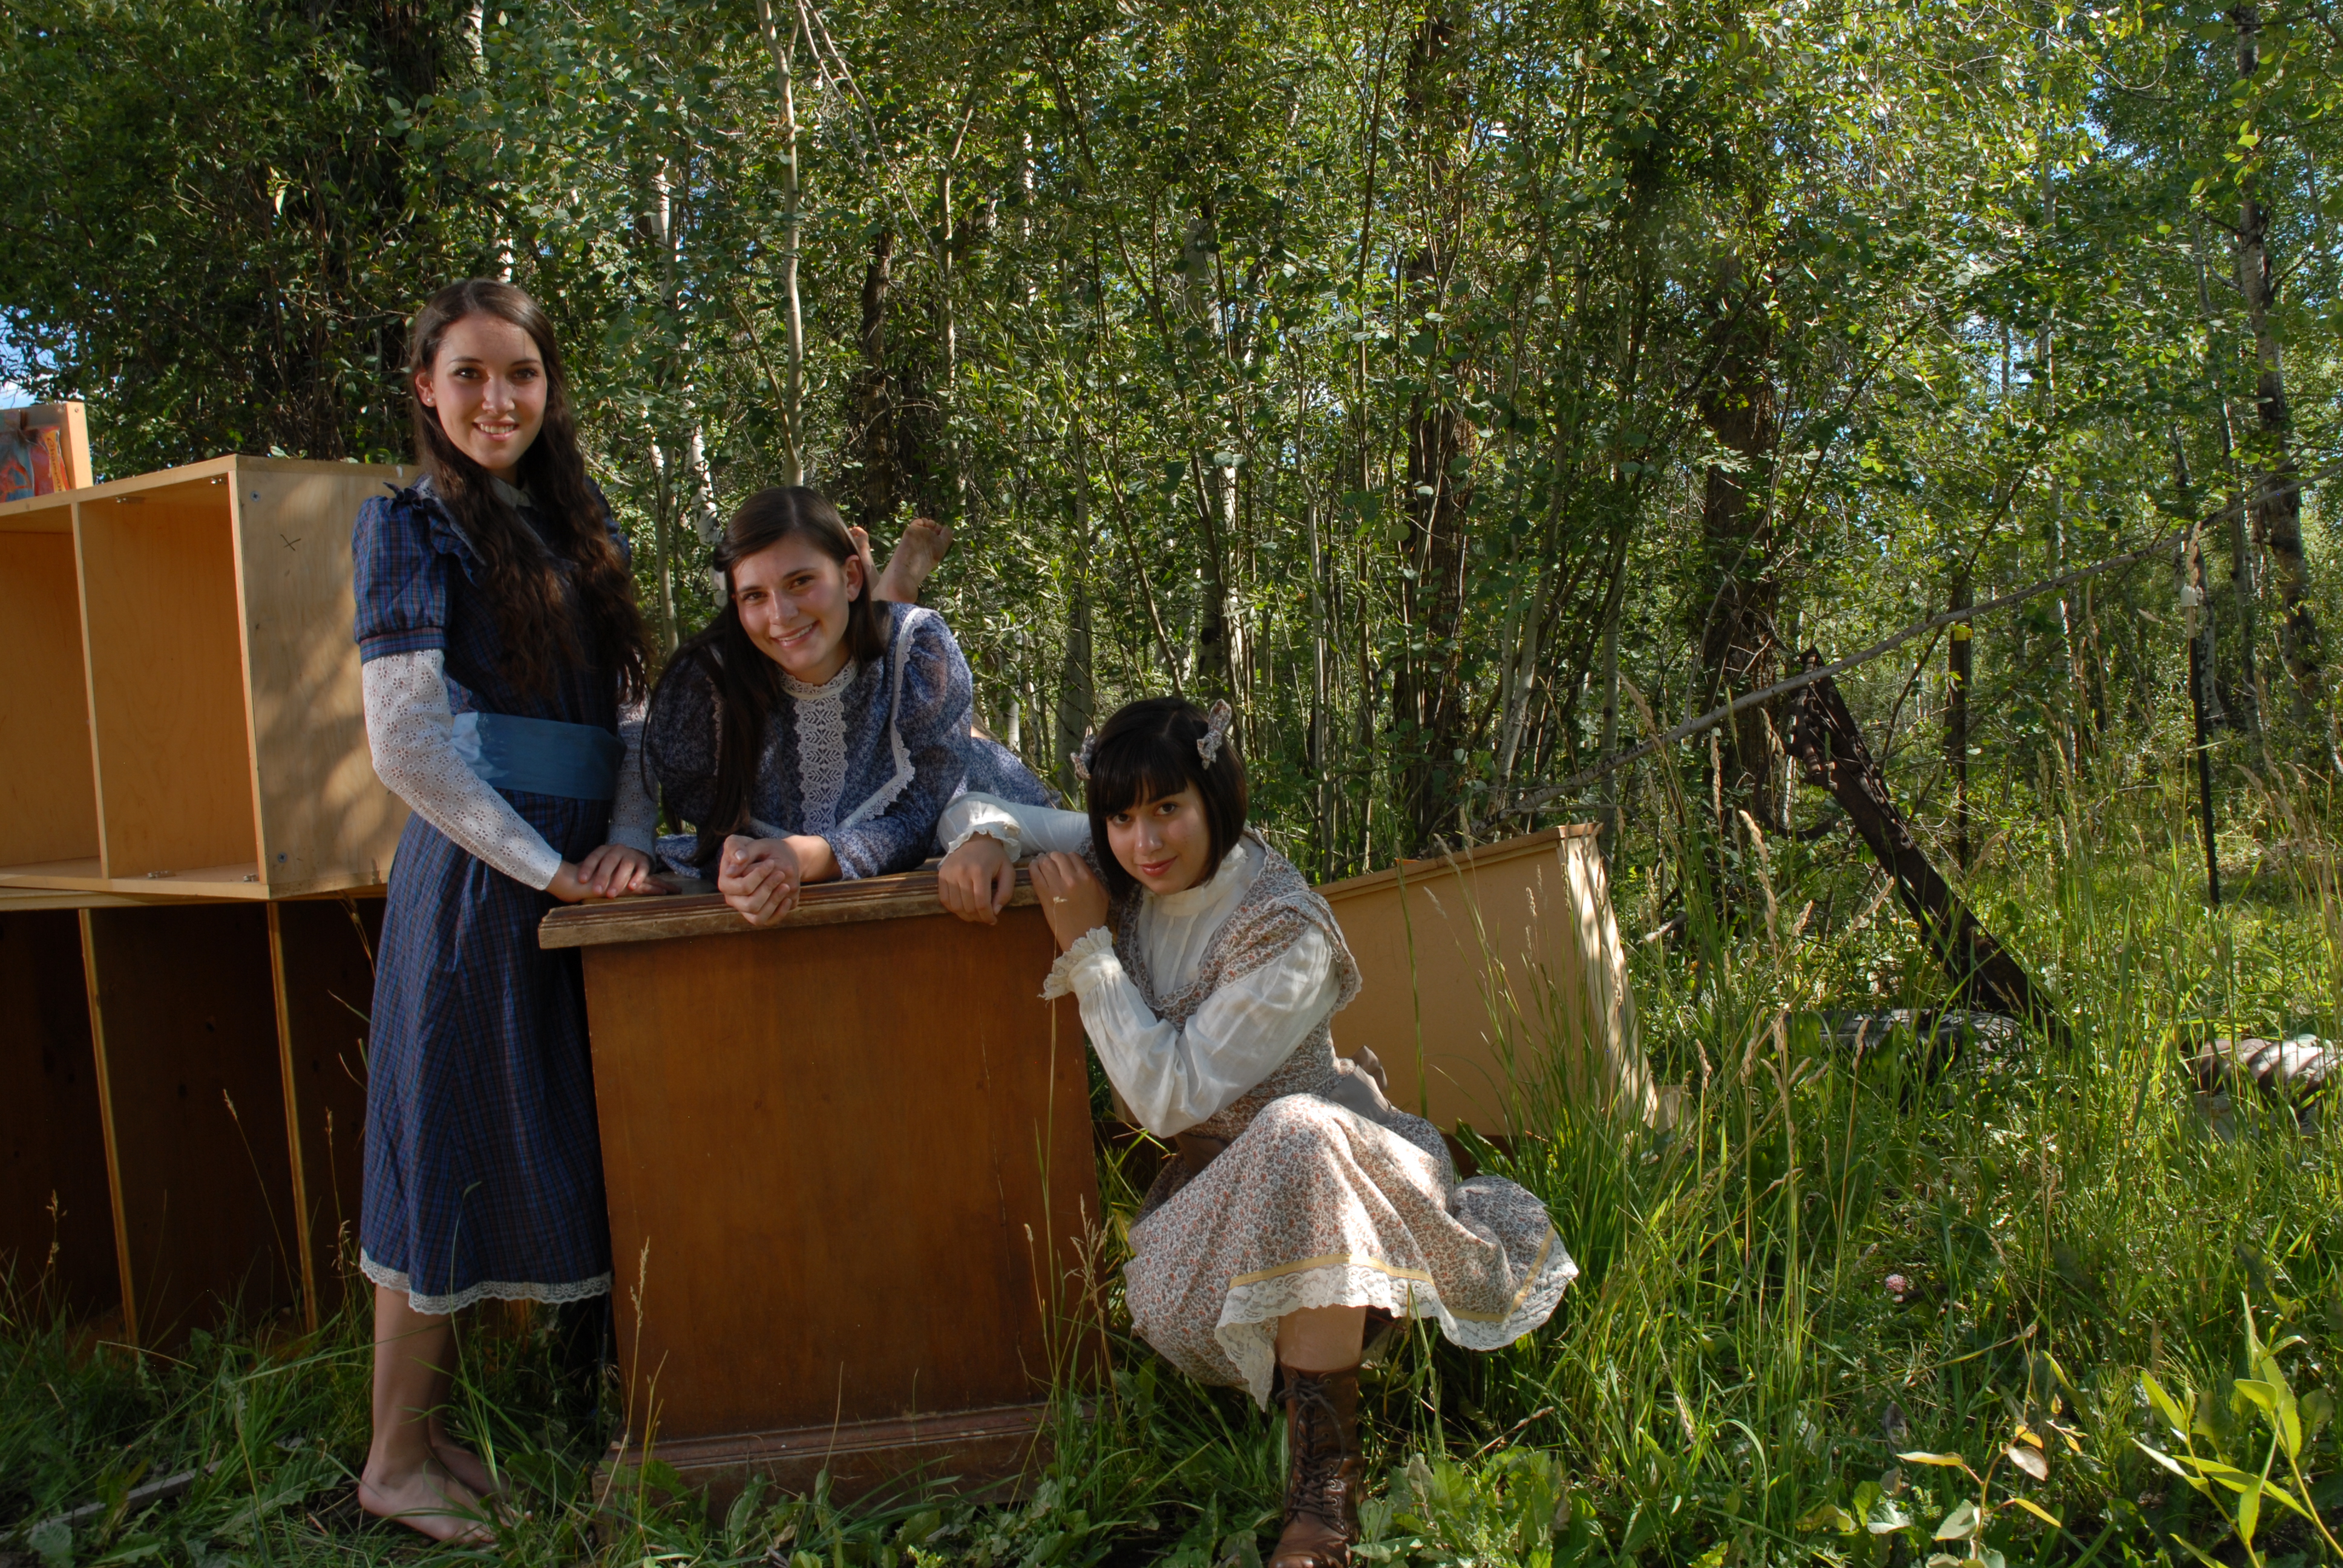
<point x="1732" y="1380"/>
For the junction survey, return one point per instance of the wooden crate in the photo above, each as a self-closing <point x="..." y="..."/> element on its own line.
<point x="850" y="1164"/>
<point x="1497" y="985"/>
<point x="184" y="716"/>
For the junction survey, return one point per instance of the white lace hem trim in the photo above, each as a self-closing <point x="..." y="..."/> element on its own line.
<point x="1247" y="1331"/>
<point x="484" y="1290"/>
<point x="1005" y="833"/>
<point x="1095" y="943"/>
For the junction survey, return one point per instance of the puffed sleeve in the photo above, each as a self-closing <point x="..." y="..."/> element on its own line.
<point x="934" y="700"/>
<point x="401" y="578"/>
<point x="1022" y="829"/>
<point x="1173" y="1076"/>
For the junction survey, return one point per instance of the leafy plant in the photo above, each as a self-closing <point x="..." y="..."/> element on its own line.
<point x="2223" y="1473"/>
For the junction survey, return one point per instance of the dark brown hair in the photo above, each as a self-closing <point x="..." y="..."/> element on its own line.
<point x="534" y="627"/>
<point x="1148" y="750"/>
<point x="747" y="682"/>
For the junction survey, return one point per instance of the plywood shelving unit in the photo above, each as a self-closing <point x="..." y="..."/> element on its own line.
<point x="188" y="810"/>
<point x="187" y="719"/>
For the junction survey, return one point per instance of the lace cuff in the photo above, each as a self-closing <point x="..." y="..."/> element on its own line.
<point x="1004" y="833"/>
<point x="1095" y="944"/>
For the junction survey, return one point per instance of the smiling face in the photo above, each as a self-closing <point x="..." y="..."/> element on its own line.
<point x="487" y="384"/>
<point x="1165" y="843"/>
<point x="792" y="600"/>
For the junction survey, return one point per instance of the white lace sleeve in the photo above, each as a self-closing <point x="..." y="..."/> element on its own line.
<point x="1172" y="1077"/>
<point x="412" y="734"/>
<point x="634" y="815"/>
<point x="1025" y="829"/>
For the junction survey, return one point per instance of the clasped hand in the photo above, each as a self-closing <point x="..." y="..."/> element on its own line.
<point x="761" y="878"/>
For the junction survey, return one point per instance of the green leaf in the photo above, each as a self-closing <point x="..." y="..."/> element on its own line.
<point x="2029" y="1460"/>
<point x="1827" y="1516"/>
<point x="2165" y="1406"/>
<point x="2038" y="1511"/>
<point x="1960" y="1523"/>
<point x="1947" y="1461"/>
<point x="1886" y="1519"/>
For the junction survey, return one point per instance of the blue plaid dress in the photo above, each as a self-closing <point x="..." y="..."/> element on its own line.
<point x="483" y="1157"/>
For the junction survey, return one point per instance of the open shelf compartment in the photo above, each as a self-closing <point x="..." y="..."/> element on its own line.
<point x="191" y="716"/>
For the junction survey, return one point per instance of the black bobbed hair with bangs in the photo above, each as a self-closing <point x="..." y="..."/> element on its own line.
<point x="1148" y="750"/>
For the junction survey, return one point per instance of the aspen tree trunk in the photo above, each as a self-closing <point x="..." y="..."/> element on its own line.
<point x="1213" y="481"/>
<point x="1608" y="738"/>
<point x="873" y="454"/>
<point x="2245" y="589"/>
<point x="1960" y="666"/>
<point x="1428" y="701"/>
<point x="1736" y="635"/>
<point x="792" y="225"/>
<point x="1077" y="701"/>
<point x="2197" y="622"/>
<point x="2278" y="493"/>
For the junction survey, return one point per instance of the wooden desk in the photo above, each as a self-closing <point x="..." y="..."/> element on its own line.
<point x="847" y="1160"/>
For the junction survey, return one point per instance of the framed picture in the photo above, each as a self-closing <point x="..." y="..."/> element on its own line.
<point x="42" y="450"/>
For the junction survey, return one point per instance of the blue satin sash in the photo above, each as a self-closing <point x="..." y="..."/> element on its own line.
<point x="540" y="756"/>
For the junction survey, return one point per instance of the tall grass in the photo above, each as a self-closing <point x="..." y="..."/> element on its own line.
<point x="1833" y="1258"/>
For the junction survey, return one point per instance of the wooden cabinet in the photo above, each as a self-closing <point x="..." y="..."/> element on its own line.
<point x="848" y="1162"/>
<point x="185" y="786"/>
<point x="1496" y="986"/>
<point x="184" y="707"/>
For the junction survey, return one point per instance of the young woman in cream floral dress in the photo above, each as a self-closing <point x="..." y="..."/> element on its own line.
<point x="1301" y="1203"/>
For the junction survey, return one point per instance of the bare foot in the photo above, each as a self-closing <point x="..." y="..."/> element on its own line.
<point x="463" y="1463"/>
<point x="430" y="1500"/>
<point x="918" y="553"/>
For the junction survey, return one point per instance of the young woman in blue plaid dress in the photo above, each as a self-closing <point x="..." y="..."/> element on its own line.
<point x="502" y="648"/>
<point x="813" y="730"/>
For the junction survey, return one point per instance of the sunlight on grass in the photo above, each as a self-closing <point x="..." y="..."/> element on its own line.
<point x="1868" y="1304"/>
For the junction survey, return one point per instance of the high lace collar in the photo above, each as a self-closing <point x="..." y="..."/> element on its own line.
<point x="1226" y="884"/>
<point x="835" y="686"/>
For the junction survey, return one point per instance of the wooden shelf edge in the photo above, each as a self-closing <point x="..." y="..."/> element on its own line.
<point x="188" y="474"/>
<point x="1545" y="840"/>
<point x="655" y="918"/>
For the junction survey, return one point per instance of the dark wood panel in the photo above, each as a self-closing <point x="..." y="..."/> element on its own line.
<point x="321" y="951"/>
<point x="185" y="1026"/>
<point x="656" y="918"/>
<point x="830" y="1141"/>
<point x="56" y="1216"/>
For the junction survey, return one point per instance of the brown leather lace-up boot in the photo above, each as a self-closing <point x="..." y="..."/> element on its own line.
<point x="1321" y="1493"/>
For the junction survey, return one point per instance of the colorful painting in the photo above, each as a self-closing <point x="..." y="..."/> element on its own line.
<point x="41" y="450"/>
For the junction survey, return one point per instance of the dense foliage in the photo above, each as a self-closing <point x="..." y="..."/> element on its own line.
<point x="1390" y="366"/>
<point x="1466" y="389"/>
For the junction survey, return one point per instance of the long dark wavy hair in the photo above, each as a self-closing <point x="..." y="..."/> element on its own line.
<point x="747" y="682"/>
<point x="535" y="627"/>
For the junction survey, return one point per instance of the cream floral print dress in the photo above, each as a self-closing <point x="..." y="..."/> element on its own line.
<point x="1212" y="1011"/>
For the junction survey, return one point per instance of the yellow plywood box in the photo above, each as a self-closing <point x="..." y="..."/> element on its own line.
<point x="1496" y="983"/>
<point x="184" y="717"/>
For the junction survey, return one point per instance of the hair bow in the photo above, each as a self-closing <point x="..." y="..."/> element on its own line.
<point x="1216" y="730"/>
